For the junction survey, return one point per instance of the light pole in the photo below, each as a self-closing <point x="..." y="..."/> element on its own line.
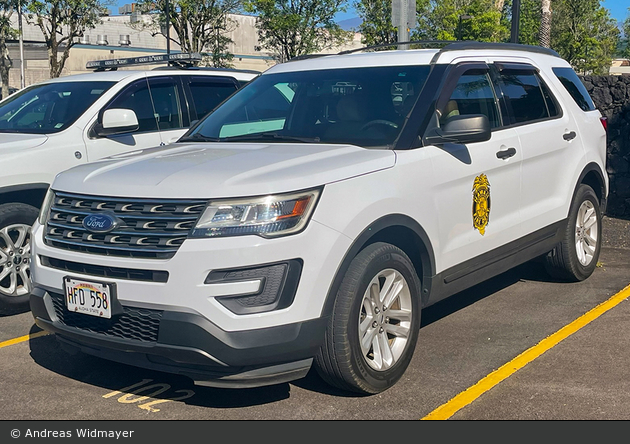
<point x="21" y="44"/>
<point x="459" y="26"/>
<point x="168" y="27"/>
<point x="516" y="16"/>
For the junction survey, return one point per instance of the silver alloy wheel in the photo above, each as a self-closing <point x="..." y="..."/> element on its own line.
<point x="385" y="319"/>
<point x="15" y="249"/>
<point x="586" y="232"/>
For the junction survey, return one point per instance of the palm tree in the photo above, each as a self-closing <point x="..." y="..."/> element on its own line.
<point x="544" y="36"/>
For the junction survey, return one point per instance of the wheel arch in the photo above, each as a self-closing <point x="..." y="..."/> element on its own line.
<point x="593" y="176"/>
<point x="32" y="194"/>
<point x="396" y="229"/>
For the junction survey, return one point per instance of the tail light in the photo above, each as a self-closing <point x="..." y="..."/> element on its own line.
<point x="604" y="121"/>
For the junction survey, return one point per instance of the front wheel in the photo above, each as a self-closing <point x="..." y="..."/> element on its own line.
<point x="16" y="220"/>
<point x="576" y="256"/>
<point x="372" y="333"/>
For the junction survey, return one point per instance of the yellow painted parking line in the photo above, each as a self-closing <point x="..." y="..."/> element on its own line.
<point x="23" y="338"/>
<point x="466" y="397"/>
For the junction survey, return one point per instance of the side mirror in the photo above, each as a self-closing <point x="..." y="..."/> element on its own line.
<point x="468" y="128"/>
<point x="117" y="121"/>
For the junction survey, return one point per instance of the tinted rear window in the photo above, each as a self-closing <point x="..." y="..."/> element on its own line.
<point x="575" y="87"/>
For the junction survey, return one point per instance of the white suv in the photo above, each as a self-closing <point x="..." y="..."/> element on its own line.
<point x="57" y="124"/>
<point x="312" y="216"/>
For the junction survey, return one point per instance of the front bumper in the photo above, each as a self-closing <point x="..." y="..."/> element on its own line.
<point x="185" y="343"/>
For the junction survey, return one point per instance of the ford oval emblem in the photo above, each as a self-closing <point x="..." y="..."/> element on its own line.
<point x="100" y="223"/>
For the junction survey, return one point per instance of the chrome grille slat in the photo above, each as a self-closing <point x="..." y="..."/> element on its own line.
<point x="144" y="233"/>
<point x="149" y="228"/>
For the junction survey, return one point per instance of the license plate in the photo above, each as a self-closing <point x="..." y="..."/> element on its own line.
<point x="90" y="298"/>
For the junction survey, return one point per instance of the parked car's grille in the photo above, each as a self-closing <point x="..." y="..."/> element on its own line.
<point x="148" y="229"/>
<point x="133" y="274"/>
<point x="138" y="324"/>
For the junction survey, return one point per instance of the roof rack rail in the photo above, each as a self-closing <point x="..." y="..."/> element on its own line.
<point x="458" y="45"/>
<point x="185" y="59"/>
<point x="426" y="43"/>
<point x="307" y="56"/>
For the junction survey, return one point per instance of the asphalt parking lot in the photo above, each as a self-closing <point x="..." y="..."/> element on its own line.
<point x="517" y="347"/>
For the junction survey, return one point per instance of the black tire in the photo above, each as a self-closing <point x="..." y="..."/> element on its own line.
<point x="568" y="261"/>
<point x="341" y="362"/>
<point x="15" y="217"/>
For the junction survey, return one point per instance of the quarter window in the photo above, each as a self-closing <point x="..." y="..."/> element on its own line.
<point x="575" y="87"/>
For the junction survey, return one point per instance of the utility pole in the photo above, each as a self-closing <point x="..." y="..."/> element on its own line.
<point x="516" y="18"/>
<point x="22" y="80"/>
<point x="168" y="27"/>
<point x="403" y="18"/>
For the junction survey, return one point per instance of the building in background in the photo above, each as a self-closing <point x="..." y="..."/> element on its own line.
<point x="117" y="37"/>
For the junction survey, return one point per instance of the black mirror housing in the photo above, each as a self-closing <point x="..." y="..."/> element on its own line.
<point x="463" y="129"/>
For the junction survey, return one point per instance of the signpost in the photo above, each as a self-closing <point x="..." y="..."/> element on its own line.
<point x="403" y="18"/>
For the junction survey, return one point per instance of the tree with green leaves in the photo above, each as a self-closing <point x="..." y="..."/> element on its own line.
<point x="7" y="7"/>
<point x="625" y="51"/>
<point x="292" y="28"/>
<point x="376" y="27"/>
<point x="584" y="34"/>
<point x="481" y="20"/>
<point x="61" y="22"/>
<point x="200" y="26"/>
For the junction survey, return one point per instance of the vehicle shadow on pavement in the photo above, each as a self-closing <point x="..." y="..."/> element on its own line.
<point x="10" y="310"/>
<point x="533" y="270"/>
<point x="114" y="376"/>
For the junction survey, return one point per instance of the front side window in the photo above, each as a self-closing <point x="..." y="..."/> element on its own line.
<point x="473" y="95"/>
<point x="49" y="108"/>
<point x="524" y="95"/>
<point x="166" y="100"/>
<point x="358" y="106"/>
<point x="137" y="98"/>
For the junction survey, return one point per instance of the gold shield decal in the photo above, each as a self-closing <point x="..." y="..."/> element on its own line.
<point x="481" y="203"/>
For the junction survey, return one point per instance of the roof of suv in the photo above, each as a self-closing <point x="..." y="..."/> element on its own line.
<point x="447" y="54"/>
<point x="116" y="76"/>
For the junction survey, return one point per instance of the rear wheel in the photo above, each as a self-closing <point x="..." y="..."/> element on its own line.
<point x="16" y="220"/>
<point x="576" y="256"/>
<point x="372" y="333"/>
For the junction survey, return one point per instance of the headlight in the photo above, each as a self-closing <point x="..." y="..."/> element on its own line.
<point x="267" y="216"/>
<point x="48" y="201"/>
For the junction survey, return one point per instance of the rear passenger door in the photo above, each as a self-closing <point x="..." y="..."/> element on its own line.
<point x="550" y="147"/>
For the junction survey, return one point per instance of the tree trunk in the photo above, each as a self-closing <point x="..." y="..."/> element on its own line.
<point x="544" y="36"/>
<point x="5" y="65"/>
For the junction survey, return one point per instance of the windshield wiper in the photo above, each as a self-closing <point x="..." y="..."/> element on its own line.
<point x="270" y="135"/>
<point x="198" y="137"/>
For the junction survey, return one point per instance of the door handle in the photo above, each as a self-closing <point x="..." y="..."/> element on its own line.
<point x="505" y="154"/>
<point x="569" y="136"/>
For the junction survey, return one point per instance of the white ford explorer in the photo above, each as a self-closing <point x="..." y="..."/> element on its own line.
<point x="57" y="124"/>
<point x="311" y="217"/>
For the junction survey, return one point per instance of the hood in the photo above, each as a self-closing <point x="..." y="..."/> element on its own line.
<point x="214" y="170"/>
<point x="20" y="141"/>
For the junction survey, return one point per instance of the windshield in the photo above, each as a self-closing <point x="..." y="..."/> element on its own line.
<point x="48" y="108"/>
<point x="358" y="106"/>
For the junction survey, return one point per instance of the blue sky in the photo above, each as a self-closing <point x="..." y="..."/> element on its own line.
<point x="618" y="9"/>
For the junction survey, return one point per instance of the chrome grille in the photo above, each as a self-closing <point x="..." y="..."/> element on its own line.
<point x="149" y="228"/>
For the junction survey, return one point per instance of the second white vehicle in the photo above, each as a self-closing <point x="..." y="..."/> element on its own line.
<point x="60" y="123"/>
